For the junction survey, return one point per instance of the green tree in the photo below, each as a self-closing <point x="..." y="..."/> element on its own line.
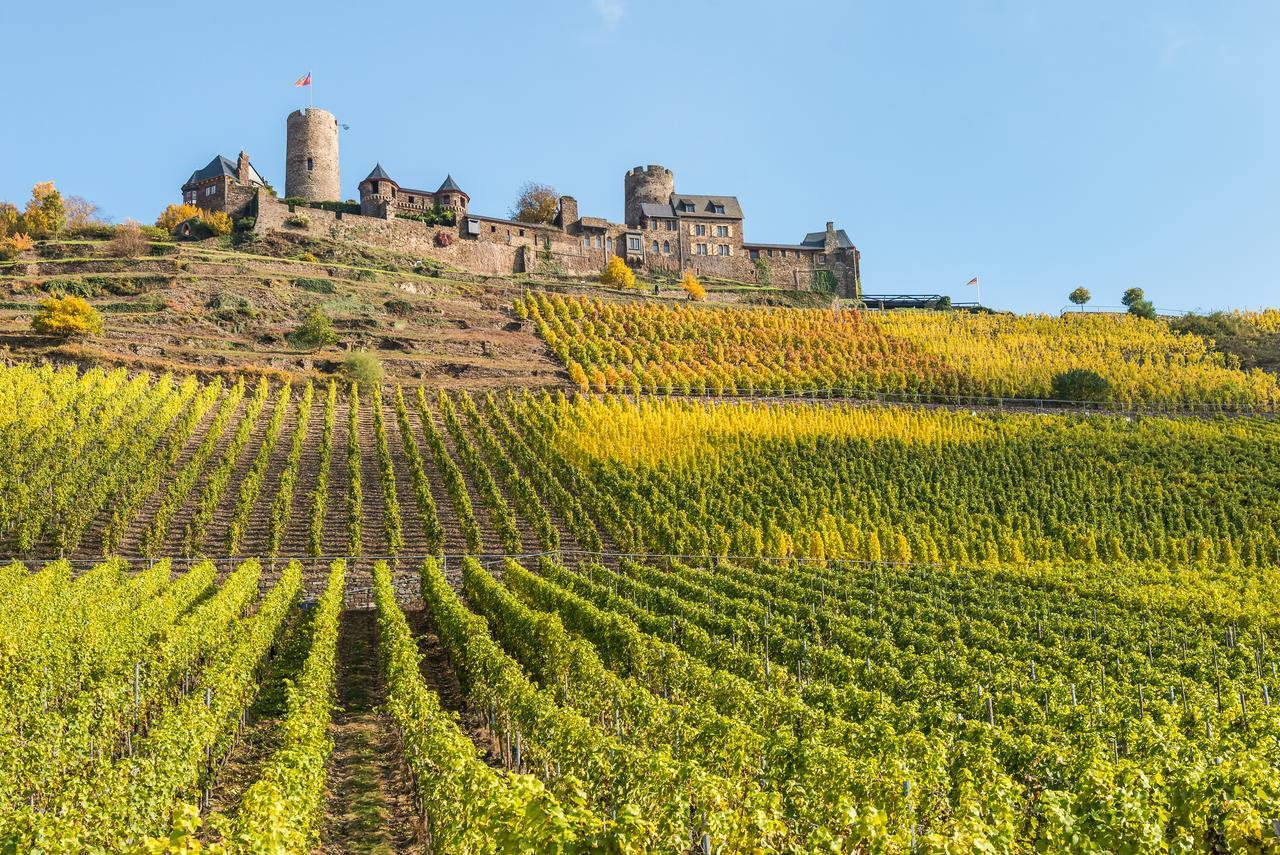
<point x="1131" y="296"/>
<point x="45" y="214"/>
<point x="1080" y="296"/>
<point x="1082" y="385"/>
<point x="315" y="331"/>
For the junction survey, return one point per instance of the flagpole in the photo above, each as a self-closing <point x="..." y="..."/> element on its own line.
<point x="311" y="92"/>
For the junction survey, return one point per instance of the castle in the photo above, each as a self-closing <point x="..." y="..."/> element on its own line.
<point x="665" y="231"/>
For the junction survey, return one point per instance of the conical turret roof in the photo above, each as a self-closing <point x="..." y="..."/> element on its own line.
<point x="379" y="174"/>
<point x="450" y="184"/>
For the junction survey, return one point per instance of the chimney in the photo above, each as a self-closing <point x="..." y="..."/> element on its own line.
<point x="242" y="168"/>
<point x="829" y="243"/>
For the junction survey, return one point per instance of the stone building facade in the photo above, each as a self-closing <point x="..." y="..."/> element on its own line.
<point x="665" y="231"/>
<point x="224" y="186"/>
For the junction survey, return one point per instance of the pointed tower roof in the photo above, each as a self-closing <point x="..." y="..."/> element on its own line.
<point x="379" y="174"/>
<point x="450" y="184"/>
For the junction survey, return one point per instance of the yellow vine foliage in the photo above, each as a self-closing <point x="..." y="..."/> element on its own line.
<point x="925" y="356"/>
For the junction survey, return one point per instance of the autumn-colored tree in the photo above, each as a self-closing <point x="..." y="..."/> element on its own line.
<point x="536" y="203"/>
<point x="174" y="215"/>
<point x="66" y="316"/>
<point x="692" y="286"/>
<point x="14" y="245"/>
<point x="218" y="222"/>
<point x="618" y="274"/>
<point x="10" y="219"/>
<point x="45" y="214"/>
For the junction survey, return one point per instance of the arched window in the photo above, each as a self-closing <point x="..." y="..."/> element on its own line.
<point x="655" y="247"/>
<point x="666" y="247"/>
<point x="309" y="164"/>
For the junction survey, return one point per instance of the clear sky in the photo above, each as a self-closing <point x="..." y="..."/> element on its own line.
<point x="1037" y="145"/>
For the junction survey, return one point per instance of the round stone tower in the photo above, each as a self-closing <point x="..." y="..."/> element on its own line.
<point x="653" y="183"/>
<point x="311" y="156"/>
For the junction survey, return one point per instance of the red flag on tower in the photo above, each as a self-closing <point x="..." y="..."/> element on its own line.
<point x="304" y="80"/>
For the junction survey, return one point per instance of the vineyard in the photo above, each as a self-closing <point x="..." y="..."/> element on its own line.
<point x="906" y="356"/>
<point x="259" y="617"/>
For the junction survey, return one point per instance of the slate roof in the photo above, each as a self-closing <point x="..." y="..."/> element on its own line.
<point x="450" y="184"/>
<point x="379" y="174"/>
<point x="219" y="167"/>
<point x="703" y="205"/>
<point x="819" y="238"/>
<point x="657" y="210"/>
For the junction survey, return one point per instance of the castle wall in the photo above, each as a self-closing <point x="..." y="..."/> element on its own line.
<point x="495" y="252"/>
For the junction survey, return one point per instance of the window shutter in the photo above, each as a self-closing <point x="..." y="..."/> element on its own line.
<point x="731" y="249"/>
<point x="693" y="230"/>
<point x="730" y="230"/>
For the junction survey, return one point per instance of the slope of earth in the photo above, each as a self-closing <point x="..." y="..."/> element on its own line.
<point x="207" y="307"/>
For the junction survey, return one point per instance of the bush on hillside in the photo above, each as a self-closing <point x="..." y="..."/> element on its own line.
<point x="1081" y="385"/>
<point x="364" y="368"/>
<point x="315" y="331"/>
<point x="618" y="274"/>
<point x="315" y="286"/>
<point x="129" y="241"/>
<point x="67" y="317"/>
<point x="175" y="215"/>
<point x="297" y="221"/>
<point x="692" y="286"/>
<point x="217" y="222"/>
<point x="14" y="245"/>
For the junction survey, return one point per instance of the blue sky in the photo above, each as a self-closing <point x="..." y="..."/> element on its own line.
<point x="1036" y="145"/>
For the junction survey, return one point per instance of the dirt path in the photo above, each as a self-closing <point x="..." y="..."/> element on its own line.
<point x="261" y="733"/>
<point x="369" y="803"/>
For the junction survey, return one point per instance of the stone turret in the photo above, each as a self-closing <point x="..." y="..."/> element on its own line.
<point x="311" y="156"/>
<point x="652" y="183"/>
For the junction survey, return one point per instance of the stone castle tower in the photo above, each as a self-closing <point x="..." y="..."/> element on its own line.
<point x="311" y="156"/>
<point x="653" y="183"/>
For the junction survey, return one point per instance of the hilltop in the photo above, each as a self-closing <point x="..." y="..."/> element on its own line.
<point x="214" y="307"/>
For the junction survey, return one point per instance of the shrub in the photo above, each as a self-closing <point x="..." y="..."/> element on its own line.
<point x="399" y="307"/>
<point x="66" y="316"/>
<point x="175" y="215"/>
<point x="363" y="368"/>
<point x="218" y="222"/>
<point x="246" y="224"/>
<point x="315" y="331"/>
<point x="1144" y="309"/>
<point x="443" y="239"/>
<point x="1081" y="384"/>
<point x="316" y="286"/>
<point x="14" y="245"/>
<point x="692" y="286"/>
<point x="155" y="233"/>
<point x="297" y="221"/>
<point x="618" y="274"/>
<point x="308" y="257"/>
<point x="129" y="241"/>
<point x="764" y="275"/>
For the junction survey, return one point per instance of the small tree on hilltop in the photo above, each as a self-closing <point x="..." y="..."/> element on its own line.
<point x="618" y="274"/>
<point x="315" y="331"/>
<point x="67" y="317"/>
<point x="1080" y="296"/>
<point x="1138" y="303"/>
<point x="175" y="215"/>
<point x="536" y="203"/>
<point x="1081" y="385"/>
<point x="45" y="215"/>
<point x="692" y="286"/>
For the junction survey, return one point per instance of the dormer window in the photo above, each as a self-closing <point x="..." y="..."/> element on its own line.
<point x="717" y="209"/>
<point x="688" y="207"/>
